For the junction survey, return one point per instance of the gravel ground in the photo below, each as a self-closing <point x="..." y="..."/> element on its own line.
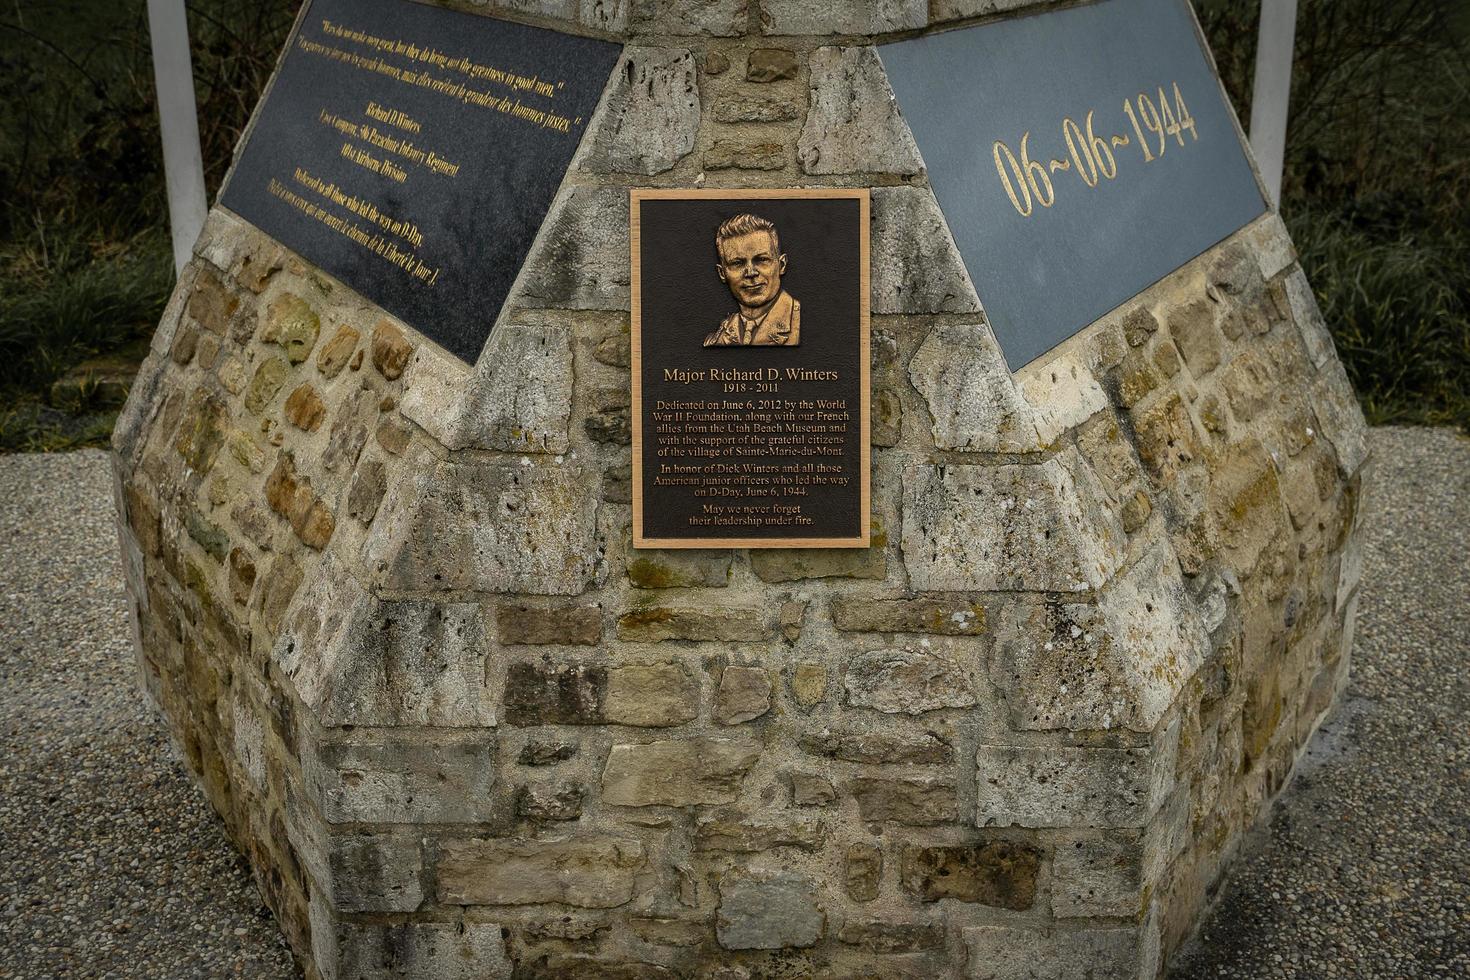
<point x="113" y="865"/>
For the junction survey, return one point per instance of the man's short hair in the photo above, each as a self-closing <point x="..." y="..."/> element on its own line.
<point x="745" y="224"/>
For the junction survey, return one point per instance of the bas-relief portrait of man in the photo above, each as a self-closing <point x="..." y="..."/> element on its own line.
<point x="751" y="264"/>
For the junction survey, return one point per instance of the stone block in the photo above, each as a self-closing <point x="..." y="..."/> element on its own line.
<point x="1192" y="325"/>
<point x="1249" y="384"/>
<point x="304" y="409"/>
<point x="962" y="376"/>
<point x="293" y="325"/>
<point x="720" y="18"/>
<point x="798" y="17"/>
<point x="369" y="484"/>
<point x="809" y="684"/>
<point x="381" y="779"/>
<point x="356" y="417"/>
<point x="290" y="495"/>
<point x="543" y="623"/>
<point x="750" y="109"/>
<point x="595" y="872"/>
<point x="1006" y="527"/>
<point x="651" y="568"/>
<point x="546" y="752"/>
<point x="916" y="801"/>
<point x="358" y="872"/>
<point x="696" y="623"/>
<point x="943" y="615"/>
<point x="212" y="304"/>
<point x="1339" y="417"/>
<point x="547" y="693"/>
<point x="925" y="748"/>
<point x="1113" y="873"/>
<point x="768" y="910"/>
<point x="581" y="261"/>
<point x="810" y="789"/>
<point x="863" y="871"/>
<point x="550" y="801"/>
<point x="333" y="356"/>
<point x="909" y="680"/>
<point x="883" y="936"/>
<point x="202" y="431"/>
<point x="755" y="835"/>
<point x="1118" y="663"/>
<point x="1245" y="505"/>
<point x="1271" y="243"/>
<point x="1073" y="787"/>
<point x="771" y="65"/>
<point x="391" y="350"/>
<point x="738" y="154"/>
<point x="744" y="694"/>
<point x="520" y="398"/>
<point x="776" y="565"/>
<point x="489" y="527"/>
<point x="998" y="873"/>
<point x="650" y="695"/>
<point x="395" y="951"/>
<point x="1003" y="952"/>
<point x="650" y="115"/>
<point x="915" y="265"/>
<point x="853" y="125"/>
<point x="677" y="773"/>
<point x="1308" y="318"/>
<point x="1062" y="395"/>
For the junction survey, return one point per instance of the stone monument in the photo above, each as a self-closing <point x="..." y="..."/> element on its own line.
<point x="379" y="542"/>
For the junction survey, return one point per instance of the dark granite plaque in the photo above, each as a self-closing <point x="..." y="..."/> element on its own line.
<point x="412" y="152"/>
<point x="1079" y="155"/>
<point x="750" y="368"/>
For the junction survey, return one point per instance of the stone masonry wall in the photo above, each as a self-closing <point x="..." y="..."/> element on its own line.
<point x="390" y="610"/>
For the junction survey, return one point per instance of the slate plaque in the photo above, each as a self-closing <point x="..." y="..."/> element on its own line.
<point x="1080" y="155"/>
<point x="750" y="368"/>
<point x="412" y="152"/>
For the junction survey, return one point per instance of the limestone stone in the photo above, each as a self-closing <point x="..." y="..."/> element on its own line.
<point x="213" y="304"/>
<point x="790" y="619"/>
<point x="1110" y="873"/>
<point x="809" y="683"/>
<point x="581" y="259"/>
<point x="1249" y="385"/>
<point x="755" y="835"/>
<point x="883" y="936"/>
<point x="186" y="343"/>
<point x="542" y="538"/>
<point x="924" y="748"/>
<point x="555" y="966"/>
<point x="999" y="873"/>
<point x="290" y="494"/>
<point x="863" y="871"/>
<point x="336" y="352"/>
<point x="768" y="910"/>
<point x="1003" y="952"/>
<point x="917" y="801"/>
<point x="886" y="421"/>
<point x="1011" y="526"/>
<point x="369" y="484"/>
<point x="797" y="17"/>
<point x="909" y="680"/>
<point x="267" y="380"/>
<point x="1192" y="325"/>
<point x="383" y="779"/>
<point x="550" y="802"/>
<point x="735" y="154"/>
<point x="360" y="872"/>
<point x="304" y="409"/>
<point x="1169" y="445"/>
<point x="208" y="535"/>
<point x="716" y="63"/>
<point x="651" y="568"/>
<point x="293" y="324"/>
<point x="939" y="614"/>
<point x="777" y="565"/>
<point x="390" y="951"/>
<point x="661" y="931"/>
<point x="546" y="752"/>
<point x="748" y="109"/>
<point x="615" y="350"/>
<point x="521" y="397"/>
<point x="1062" y="394"/>
<point x="596" y="872"/>
<point x="853" y="125"/>
<point x="1245" y="502"/>
<point x="964" y="381"/>
<point x="1119" y="663"/>
<point x="241" y="576"/>
<point x="1166" y="358"/>
<point x="391" y="350"/>
<point x="1339" y="417"/>
<point x="915" y="265"/>
<point x="743" y="695"/>
<point x="721" y="18"/>
<point x="700" y="623"/>
<point x="554" y="694"/>
<point x="810" y="789"/>
<point x="651" y="114"/>
<point x="1073" y="787"/>
<point x="650" y="696"/>
<point x="542" y="624"/>
<point x="1139" y="324"/>
<point x="355" y="418"/>
<point x="677" y="773"/>
<point x="771" y="65"/>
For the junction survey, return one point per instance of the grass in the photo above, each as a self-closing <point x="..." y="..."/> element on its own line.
<point x="1376" y="190"/>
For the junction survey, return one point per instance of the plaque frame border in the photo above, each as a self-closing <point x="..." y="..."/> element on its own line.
<point x="637" y="195"/>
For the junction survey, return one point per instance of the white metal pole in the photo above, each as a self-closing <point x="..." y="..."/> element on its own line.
<point x="178" y="116"/>
<point x="1272" y="91"/>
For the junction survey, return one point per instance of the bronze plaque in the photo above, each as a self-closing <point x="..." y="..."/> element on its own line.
<point x="750" y="368"/>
